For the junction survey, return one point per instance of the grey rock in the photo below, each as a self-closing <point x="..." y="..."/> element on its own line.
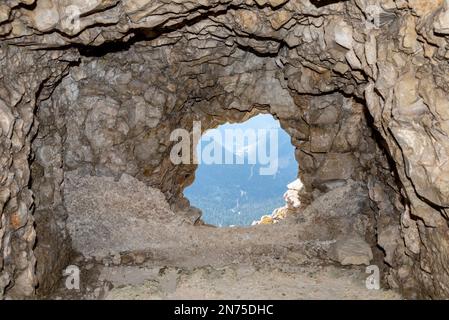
<point x="351" y="250"/>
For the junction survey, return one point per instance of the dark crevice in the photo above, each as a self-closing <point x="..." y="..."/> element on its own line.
<point x="323" y="3"/>
<point x="382" y="145"/>
<point x="144" y="34"/>
<point x="147" y="34"/>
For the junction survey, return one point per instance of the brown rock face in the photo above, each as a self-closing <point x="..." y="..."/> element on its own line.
<point x="362" y="89"/>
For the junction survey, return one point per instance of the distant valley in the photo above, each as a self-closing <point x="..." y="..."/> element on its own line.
<point x="237" y="194"/>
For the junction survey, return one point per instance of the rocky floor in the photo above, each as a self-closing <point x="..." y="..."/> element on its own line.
<point x="235" y="281"/>
<point x="247" y="282"/>
<point x="129" y="248"/>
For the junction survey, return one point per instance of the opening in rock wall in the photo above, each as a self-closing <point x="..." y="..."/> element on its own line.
<point x="243" y="173"/>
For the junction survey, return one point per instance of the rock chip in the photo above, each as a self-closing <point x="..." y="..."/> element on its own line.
<point x="351" y="250"/>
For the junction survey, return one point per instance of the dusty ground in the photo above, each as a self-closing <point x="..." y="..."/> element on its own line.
<point x="246" y="282"/>
<point x="238" y="281"/>
<point x="131" y="246"/>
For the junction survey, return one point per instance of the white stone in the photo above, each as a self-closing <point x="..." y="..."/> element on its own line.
<point x="441" y="24"/>
<point x="353" y="61"/>
<point x="292" y="199"/>
<point x="295" y="185"/>
<point x="371" y="50"/>
<point x="343" y="35"/>
<point x="6" y="120"/>
<point x="45" y="15"/>
<point x="4" y="13"/>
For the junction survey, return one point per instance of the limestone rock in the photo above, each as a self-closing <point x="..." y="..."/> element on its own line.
<point x="441" y="24"/>
<point x="336" y="166"/>
<point x="343" y="35"/>
<point x="280" y="18"/>
<point x="6" y="120"/>
<point x="352" y="251"/>
<point x="339" y="211"/>
<point x="388" y="240"/>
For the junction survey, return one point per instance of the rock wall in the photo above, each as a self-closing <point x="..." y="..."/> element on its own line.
<point x="361" y="86"/>
<point x="23" y="84"/>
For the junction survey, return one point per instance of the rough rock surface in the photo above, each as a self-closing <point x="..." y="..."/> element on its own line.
<point x="361" y="86"/>
<point x="244" y="282"/>
<point x="109" y="218"/>
<point x="231" y="282"/>
<point x="351" y="250"/>
<point x="115" y="228"/>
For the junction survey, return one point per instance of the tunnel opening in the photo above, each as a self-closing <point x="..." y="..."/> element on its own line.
<point x="135" y="210"/>
<point x="107" y="189"/>
<point x="107" y="186"/>
<point x="244" y="172"/>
